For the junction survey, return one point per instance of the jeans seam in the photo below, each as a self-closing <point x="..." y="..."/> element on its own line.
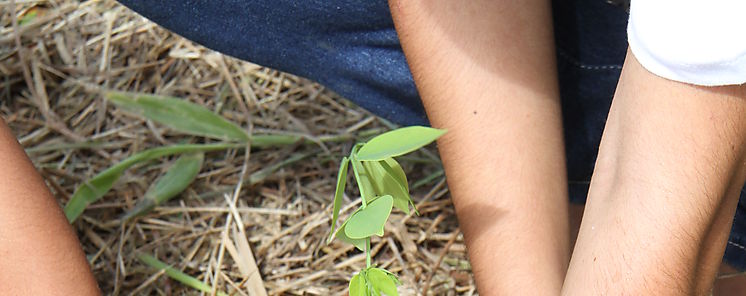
<point x="563" y="54"/>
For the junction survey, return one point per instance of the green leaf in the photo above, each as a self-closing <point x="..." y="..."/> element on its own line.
<point x="180" y="115"/>
<point x="364" y="182"/>
<point x="338" y="193"/>
<point x="176" y="274"/>
<point x="397" y="171"/>
<point x="358" y="286"/>
<point x="382" y="281"/>
<point x="96" y="187"/>
<point x="398" y="175"/>
<point x="177" y="178"/>
<point x="398" y="142"/>
<point x="358" y="243"/>
<point x="370" y="220"/>
<point x="384" y="183"/>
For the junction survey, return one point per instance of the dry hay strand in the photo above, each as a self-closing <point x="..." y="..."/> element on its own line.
<point x="72" y="51"/>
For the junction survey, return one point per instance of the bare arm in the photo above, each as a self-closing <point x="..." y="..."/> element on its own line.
<point x="664" y="191"/>
<point x="39" y="253"/>
<point x="486" y="72"/>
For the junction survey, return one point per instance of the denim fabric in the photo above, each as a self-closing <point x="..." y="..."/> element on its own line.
<point x="352" y="48"/>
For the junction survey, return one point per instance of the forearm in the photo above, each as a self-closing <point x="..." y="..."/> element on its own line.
<point x="39" y="253"/>
<point x="485" y="71"/>
<point x="666" y="183"/>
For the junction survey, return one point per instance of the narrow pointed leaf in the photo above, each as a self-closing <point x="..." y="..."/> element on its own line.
<point x="180" y="115"/>
<point x="384" y="183"/>
<point x="370" y="220"/>
<point x="398" y="142"/>
<point x="177" y="178"/>
<point x="176" y="274"/>
<point x="382" y="281"/>
<point x="338" y="193"/>
<point x="397" y="171"/>
<point x="96" y="187"/>
<point x="364" y="182"/>
<point x="358" y="287"/>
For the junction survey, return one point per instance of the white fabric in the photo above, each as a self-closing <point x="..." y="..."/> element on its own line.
<point x="700" y="42"/>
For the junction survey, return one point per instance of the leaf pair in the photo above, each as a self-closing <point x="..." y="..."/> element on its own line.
<point x="377" y="172"/>
<point x="388" y="178"/>
<point x="372" y="282"/>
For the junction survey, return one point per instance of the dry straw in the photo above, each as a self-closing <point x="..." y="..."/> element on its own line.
<point x="270" y="237"/>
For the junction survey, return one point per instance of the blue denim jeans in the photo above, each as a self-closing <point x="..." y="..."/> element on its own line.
<point x="352" y="48"/>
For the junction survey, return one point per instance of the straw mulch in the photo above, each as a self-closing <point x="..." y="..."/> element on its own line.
<point x="72" y="52"/>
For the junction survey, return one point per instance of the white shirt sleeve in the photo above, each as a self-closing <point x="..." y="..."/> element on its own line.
<point x="700" y="42"/>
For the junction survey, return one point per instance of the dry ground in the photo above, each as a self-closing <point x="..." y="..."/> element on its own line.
<point x="74" y="51"/>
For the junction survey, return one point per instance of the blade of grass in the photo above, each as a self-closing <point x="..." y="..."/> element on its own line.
<point x="99" y="185"/>
<point x="177" y="178"/>
<point x="180" y="115"/>
<point x="176" y="274"/>
<point x="428" y="179"/>
<point x="259" y="175"/>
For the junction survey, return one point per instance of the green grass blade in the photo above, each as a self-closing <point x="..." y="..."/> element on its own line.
<point x="176" y="274"/>
<point x="398" y="142"/>
<point x="180" y="115"/>
<point x="95" y="188"/>
<point x="177" y="178"/>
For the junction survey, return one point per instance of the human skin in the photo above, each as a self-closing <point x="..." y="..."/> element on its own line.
<point x="664" y="191"/>
<point x="665" y="186"/>
<point x="485" y="71"/>
<point x="39" y="252"/>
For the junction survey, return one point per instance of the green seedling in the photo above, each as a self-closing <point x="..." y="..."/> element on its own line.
<point x="382" y="182"/>
<point x="383" y="186"/>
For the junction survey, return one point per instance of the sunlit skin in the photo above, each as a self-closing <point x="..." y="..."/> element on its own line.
<point x="39" y="252"/>
<point x="665" y="186"/>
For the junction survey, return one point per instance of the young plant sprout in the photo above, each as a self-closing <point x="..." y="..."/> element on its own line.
<point x="383" y="186"/>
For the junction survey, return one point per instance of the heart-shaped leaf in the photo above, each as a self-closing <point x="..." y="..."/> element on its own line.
<point x="397" y="142"/>
<point x="382" y="281"/>
<point x="370" y="220"/>
<point x="358" y="243"/>
<point x="338" y="193"/>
